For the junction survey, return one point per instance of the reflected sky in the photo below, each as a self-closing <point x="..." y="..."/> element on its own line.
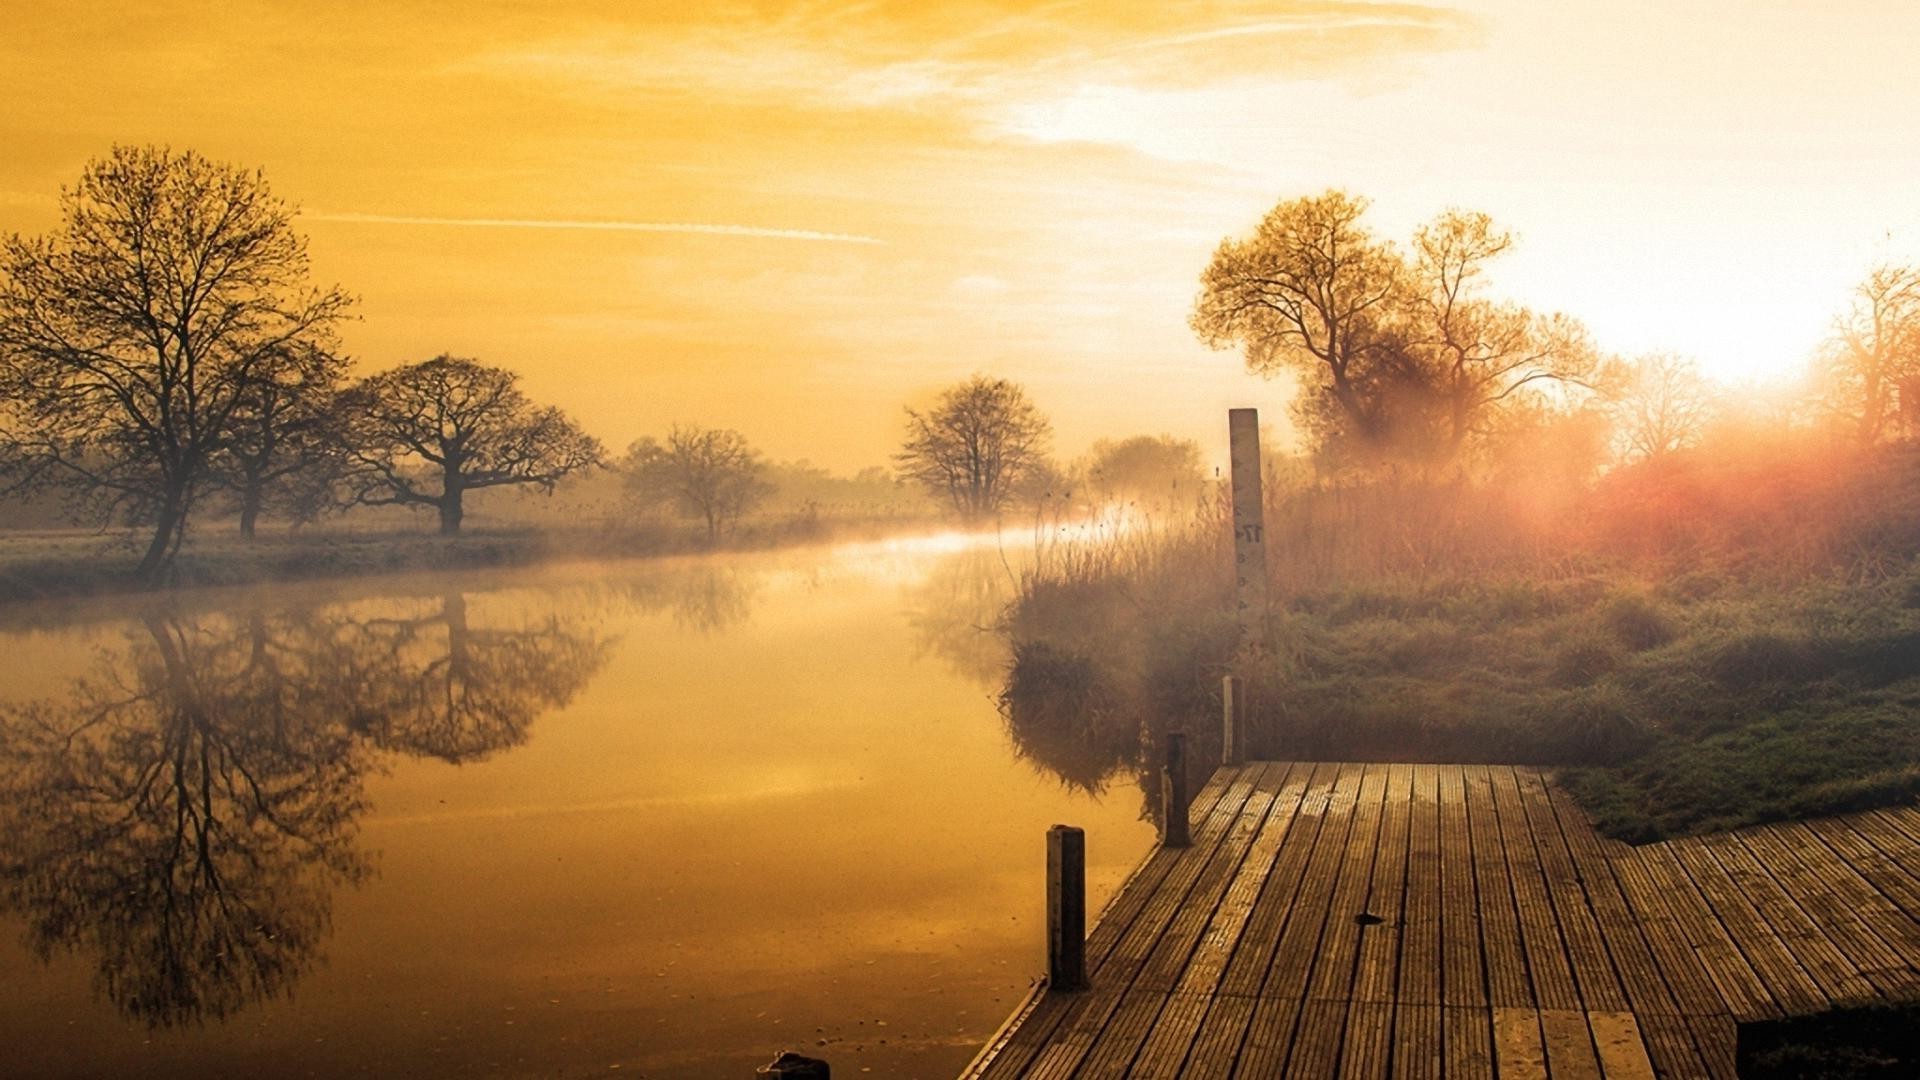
<point x="671" y="817"/>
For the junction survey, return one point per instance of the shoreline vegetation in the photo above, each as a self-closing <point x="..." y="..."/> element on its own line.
<point x="1710" y="641"/>
<point x="71" y="564"/>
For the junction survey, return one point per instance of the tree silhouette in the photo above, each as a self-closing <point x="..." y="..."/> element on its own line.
<point x="1399" y="357"/>
<point x="428" y="433"/>
<point x="1872" y="358"/>
<point x="133" y="336"/>
<point x="709" y="473"/>
<point x="974" y="447"/>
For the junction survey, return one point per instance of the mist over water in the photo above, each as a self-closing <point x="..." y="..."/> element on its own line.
<point x="671" y="817"/>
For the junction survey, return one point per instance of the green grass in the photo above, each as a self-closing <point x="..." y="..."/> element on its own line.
<point x="1680" y="698"/>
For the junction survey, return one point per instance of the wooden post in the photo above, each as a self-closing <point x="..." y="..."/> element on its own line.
<point x="1249" y="522"/>
<point x="1173" y="792"/>
<point x="792" y="1066"/>
<point x="1231" y="731"/>
<point x="1066" y="909"/>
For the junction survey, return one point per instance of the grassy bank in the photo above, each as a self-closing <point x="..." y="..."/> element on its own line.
<point x="1755" y="659"/>
<point x="70" y="564"/>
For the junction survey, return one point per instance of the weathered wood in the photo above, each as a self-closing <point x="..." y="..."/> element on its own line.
<point x="1466" y="922"/>
<point x="1232" y="727"/>
<point x="1249" y="523"/>
<point x="1066" y="909"/>
<point x="1174" y="811"/>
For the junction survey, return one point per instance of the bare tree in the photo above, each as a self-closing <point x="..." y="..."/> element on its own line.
<point x="1662" y="406"/>
<point x="282" y="449"/>
<point x="974" y="447"/>
<point x="1872" y="358"/>
<point x="132" y="336"/>
<point x="426" y="434"/>
<point x="709" y="473"/>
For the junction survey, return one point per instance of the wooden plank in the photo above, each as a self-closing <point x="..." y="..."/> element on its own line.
<point x="1717" y="1038"/>
<point x="1548" y="967"/>
<point x="1221" y="1035"/>
<point x="1366" y="1051"/>
<point x="1518" y="1053"/>
<point x="1672" y="1045"/>
<point x="1293" y="955"/>
<point x="1420" y="952"/>
<point x="1112" y="1053"/>
<point x="1622" y="1050"/>
<point x="1376" y="967"/>
<point x="1569" y="1042"/>
<point x="1061" y="1051"/>
<point x="1593" y="972"/>
<point x="1790" y="986"/>
<point x="1629" y="941"/>
<point x="1316" y="1047"/>
<point x="1167" y="960"/>
<point x="1839" y="980"/>
<point x="1895" y="884"/>
<point x="1496" y="914"/>
<point x="1219" y="800"/>
<point x="1215" y="949"/>
<point x="1849" y="911"/>
<point x="1331" y="786"/>
<point x="1466" y="1042"/>
<point x="1463" y="969"/>
<point x="1664" y="897"/>
<point x="1164" y="1053"/>
<point x="1333" y="962"/>
<point x="1269" y="1038"/>
<point x="1417" y="1042"/>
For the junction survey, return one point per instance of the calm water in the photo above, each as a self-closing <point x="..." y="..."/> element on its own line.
<point x="656" y="820"/>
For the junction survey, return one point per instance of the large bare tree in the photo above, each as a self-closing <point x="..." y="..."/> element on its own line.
<point x="712" y="474"/>
<point x="1872" y="358"/>
<point x="975" y="445"/>
<point x="132" y="335"/>
<point x="425" y="434"/>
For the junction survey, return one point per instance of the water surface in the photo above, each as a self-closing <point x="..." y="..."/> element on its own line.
<point x="655" y="819"/>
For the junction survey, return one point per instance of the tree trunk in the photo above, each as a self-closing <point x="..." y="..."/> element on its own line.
<point x="450" y="513"/>
<point x="249" y="511"/>
<point x="159" y="552"/>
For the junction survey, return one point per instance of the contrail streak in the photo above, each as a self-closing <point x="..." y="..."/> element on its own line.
<point x="703" y="228"/>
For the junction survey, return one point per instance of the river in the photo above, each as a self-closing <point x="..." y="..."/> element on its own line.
<point x="658" y="819"/>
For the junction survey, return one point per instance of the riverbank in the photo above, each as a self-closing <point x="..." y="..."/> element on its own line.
<point x="43" y="565"/>
<point x="1760" y="663"/>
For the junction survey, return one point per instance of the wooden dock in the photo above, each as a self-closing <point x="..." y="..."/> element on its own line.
<point x="1466" y="921"/>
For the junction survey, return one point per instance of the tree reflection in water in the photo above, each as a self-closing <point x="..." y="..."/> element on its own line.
<point x="183" y="813"/>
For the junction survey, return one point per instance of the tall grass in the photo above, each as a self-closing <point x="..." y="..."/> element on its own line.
<point x="1709" y="642"/>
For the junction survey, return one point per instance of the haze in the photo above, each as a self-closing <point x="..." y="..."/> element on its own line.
<point x="792" y="218"/>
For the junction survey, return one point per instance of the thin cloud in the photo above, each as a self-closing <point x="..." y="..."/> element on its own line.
<point x="696" y="227"/>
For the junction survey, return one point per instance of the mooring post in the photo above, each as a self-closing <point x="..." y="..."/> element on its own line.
<point x="1066" y="908"/>
<point x="792" y="1066"/>
<point x="1249" y="523"/>
<point x="1230" y="728"/>
<point x="1173" y="792"/>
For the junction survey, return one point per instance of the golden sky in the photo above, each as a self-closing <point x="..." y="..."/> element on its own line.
<point x="793" y="217"/>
